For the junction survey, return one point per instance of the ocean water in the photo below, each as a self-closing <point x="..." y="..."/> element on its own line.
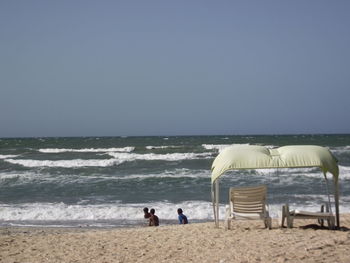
<point x="106" y="181"/>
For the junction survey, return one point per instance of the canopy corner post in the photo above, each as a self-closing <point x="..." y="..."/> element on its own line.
<point x="336" y="200"/>
<point x="215" y="200"/>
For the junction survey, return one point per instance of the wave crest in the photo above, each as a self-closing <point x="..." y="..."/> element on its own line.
<point x="5" y="156"/>
<point x="87" y="150"/>
<point x="119" y="158"/>
<point x="160" y="157"/>
<point x="65" y="163"/>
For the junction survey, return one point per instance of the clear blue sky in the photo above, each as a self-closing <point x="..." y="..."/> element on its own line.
<point x="80" y="68"/>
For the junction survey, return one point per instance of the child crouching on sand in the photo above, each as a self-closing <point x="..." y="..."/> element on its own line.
<point x="153" y="220"/>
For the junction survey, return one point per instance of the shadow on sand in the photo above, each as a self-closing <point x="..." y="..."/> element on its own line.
<point x="318" y="227"/>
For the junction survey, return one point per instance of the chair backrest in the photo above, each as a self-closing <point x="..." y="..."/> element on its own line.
<point x="248" y="199"/>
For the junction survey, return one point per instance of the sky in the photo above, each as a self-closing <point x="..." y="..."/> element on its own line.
<point x="134" y="68"/>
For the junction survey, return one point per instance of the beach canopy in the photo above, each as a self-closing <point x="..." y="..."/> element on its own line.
<point x="239" y="157"/>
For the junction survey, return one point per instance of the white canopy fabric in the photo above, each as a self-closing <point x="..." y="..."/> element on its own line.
<point x="239" y="157"/>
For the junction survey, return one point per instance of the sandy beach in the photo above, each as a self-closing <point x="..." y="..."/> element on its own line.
<point x="247" y="241"/>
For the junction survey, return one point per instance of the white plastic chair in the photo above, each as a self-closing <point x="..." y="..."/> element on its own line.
<point x="248" y="203"/>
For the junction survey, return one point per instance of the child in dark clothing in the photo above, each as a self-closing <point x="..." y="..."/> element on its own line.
<point x="153" y="220"/>
<point x="146" y="213"/>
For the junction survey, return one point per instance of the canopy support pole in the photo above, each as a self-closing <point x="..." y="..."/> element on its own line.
<point x="217" y="201"/>
<point x="213" y="201"/>
<point x="328" y="194"/>
<point x="336" y="199"/>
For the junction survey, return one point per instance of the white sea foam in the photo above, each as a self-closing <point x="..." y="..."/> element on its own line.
<point x="340" y="149"/>
<point x="150" y="147"/>
<point x="281" y="172"/>
<point x="177" y="173"/>
<point x="286" y="171"/>
<point x="344" y="172"/>
<point x="119" y="158"/>
<point x="215" y="146"/>
<point x="115" y="211"/>
<point x="194" y="210"/>
<point x="162" y="157"/>
<point x="91" y="150"/>
<point x="25" y="177"/>
<point x="219" y="147"/>
<point x="22" y="175"/>
<point x="5" y="156"/>
<point x="65" y="163"/>
<point x="270" y="146"/>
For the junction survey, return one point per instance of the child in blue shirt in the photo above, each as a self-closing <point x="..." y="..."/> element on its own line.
<point x="182" y="217"/>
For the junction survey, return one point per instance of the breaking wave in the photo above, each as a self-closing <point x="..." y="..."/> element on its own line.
<point x="115" y="211"/>
<point x="65" y="163"/>
<point x="38" y="213"/>
<point x="87" y="150"/>
<point x="215" y="146"/>
<point x="30" y="177"/>
<point x="118" y="159"/>
<point x="161" y="157"/>
<point x="5" y="156"/>
<point x="150" y="147"/>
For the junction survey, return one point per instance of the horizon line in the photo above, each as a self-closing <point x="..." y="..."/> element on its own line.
<point x="188" y="135"/>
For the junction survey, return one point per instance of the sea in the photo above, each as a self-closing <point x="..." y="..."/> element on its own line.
<point x="107" y="181"/>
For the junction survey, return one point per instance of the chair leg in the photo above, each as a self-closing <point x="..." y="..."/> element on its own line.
<point x="331" y="220"/>
<point x="227" y="218"/>
<point x="268" y="222"/>
<point x="321" y="221"/>
<point x="331" y="223"/>
<point x="281" y="217"/>
<point x="227" y="223"/>
<point x="288" y="216"/>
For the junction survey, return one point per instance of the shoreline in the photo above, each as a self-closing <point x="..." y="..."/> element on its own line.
<point x="95" y="224"/>
<point x="247" y="241"/>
